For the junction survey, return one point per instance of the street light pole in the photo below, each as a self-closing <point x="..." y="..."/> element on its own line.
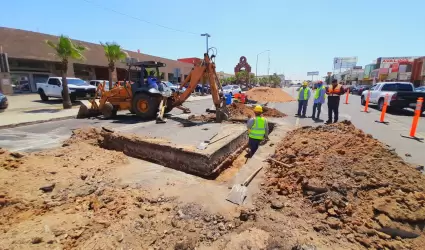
<point x="206" y="36"/>
<point x="256" y="64"/>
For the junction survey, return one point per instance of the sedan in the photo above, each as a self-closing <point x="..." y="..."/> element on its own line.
<point x="3" y="102"/>
<point x="358" y="90"/>
<point x="420" y="89"/>
<point x="173" y="87"/>
<point x="233" y="89"/>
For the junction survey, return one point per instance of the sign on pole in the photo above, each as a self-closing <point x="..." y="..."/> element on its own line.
<point x="345" y="62"/>
<point x="313" y="73"/>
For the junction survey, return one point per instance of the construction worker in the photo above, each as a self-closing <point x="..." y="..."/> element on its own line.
<point x="319" y="99"/>
<point x="258" y="130"/>
<point x="304" y="94"/>
<point x="334" y="92"/>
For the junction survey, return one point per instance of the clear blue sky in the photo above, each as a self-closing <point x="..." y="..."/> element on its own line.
<point x="303" y="35"/>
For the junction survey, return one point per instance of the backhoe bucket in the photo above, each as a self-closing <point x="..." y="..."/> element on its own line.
<point x="88" y="109"/>
<point x="222" y="114"/>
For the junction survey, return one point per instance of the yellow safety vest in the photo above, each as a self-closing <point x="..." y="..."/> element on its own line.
<point x="305" y="93"/>
<point x="258" y="129"/>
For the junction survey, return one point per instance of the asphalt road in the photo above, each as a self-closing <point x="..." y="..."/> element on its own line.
<point x="50" y="134"/>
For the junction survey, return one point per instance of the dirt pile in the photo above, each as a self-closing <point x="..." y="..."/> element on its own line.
<point x="359" y="189"/>
<point x="239" y="110"/>
<point x="202" y="118"/>
<point x="266" y="94"/>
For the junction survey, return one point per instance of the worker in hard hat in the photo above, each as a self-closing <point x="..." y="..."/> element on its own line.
<point x="319" y="99"/>
<point x="304" y="94"/>
<point x="335" y="90"/>
<point x="258" y="130"/>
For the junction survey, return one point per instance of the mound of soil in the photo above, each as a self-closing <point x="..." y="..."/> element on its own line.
<point x="266" y="94"/>
<point x="360" y="189"/>
<point x="238" y="110"/>
<point x="202" y="118"/>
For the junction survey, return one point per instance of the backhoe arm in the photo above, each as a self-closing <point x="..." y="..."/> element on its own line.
<point x="206" y="68"/>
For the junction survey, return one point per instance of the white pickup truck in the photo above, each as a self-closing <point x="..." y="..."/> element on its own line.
<point x="53" y="88"/>
<point x="400" y="95"/>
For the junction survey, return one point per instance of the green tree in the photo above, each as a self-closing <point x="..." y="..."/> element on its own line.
<point x="275" y="81"/>
<point x="263" y="81"/>
<point x="113" y="53"/>
<point x="65" y="49"/>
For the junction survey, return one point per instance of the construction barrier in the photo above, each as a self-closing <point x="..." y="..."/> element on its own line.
<point x="346" y="96"/>
<point x="366" y="106"/>
<point x="418" y="111"/>
<point x="384" y="110"/>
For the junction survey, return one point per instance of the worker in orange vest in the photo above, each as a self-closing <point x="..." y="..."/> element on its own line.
<point x="334" y="92"/>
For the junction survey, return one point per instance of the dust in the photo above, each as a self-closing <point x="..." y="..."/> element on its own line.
<point x="266" y="94"/>
<point x="353" y="186"/>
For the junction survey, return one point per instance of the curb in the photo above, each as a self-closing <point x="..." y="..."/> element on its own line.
<point x="14" y="125"/>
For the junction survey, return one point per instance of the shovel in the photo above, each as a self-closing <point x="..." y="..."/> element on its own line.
<point x="203" y="145"/>
<point x="238" y="193"/>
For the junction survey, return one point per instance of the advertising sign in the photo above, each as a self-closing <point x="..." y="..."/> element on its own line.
<point x="313" y="73"/>
<point x="386" y="62"/>
<point x="345" y="62"/>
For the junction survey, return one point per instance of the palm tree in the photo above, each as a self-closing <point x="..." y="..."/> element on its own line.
<point x="65" y="49"/>
<point x="113" y="53"/>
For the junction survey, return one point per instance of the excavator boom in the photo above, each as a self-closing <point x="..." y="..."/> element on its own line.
<point x="205" y="70"/>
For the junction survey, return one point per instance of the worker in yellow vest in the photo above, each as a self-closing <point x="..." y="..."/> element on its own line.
<point x="319" y="99"/>
<point x="304" y="94"/>
<point x="258" y="130"/>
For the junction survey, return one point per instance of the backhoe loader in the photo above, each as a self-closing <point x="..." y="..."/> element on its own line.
<point x="147" y="102"/>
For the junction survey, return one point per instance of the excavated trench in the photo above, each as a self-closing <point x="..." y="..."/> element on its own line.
<point x="207" y="163"/>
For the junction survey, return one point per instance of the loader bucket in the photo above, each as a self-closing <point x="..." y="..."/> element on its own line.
<point x="88" y="109"/>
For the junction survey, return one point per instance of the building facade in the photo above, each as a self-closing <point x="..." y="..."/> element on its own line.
<point x="31" y="60"/>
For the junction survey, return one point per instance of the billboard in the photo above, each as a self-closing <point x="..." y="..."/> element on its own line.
<point x="313" y="73"/>
<point x="386" y="62"/>
<point x="345" y="62"/>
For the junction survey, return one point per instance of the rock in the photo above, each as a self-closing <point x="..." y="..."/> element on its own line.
<point x="16" y="155"/>
<point x="244" y="216"/>
<point x="333" y="223"/>
<point x="332" y="212"/>
<point x="364" y="241"/>
<point x="48" y="188"/>
<point x="83" y="176"/>
<point x="397" y="232"/>
<point x="383" y="220"/>
<point x="120" y="238"/>
<point x="276" y="204"/>
<point x="36" y="240"/>
<point x="85" y="190"/>
<point x="408" y="155"/>
<point x="383" y="236"/>
<point x="3" y="202"/>
<point x="50" y="241"/>
<point x="360" y="173"/>
<point x="207" y="218"/>
<point x="221" y="226"/>
<point x="303" y="247"/>
<point x="320" y="228"/>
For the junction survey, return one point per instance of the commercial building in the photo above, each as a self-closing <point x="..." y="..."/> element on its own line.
<point x="418" y="71"/>
<point x="31" y="60"/>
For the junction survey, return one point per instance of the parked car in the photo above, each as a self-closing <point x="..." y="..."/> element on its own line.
<point x="53" y="88"/>
<point x="207" y="89"/>
<point x="358" y="90"/>
<point x="401" y="95"/>
<point x="3" y="102"/>
<point x="420" y="89"/>
<point x="231" y="89"/>
<point x="173" y="87"/>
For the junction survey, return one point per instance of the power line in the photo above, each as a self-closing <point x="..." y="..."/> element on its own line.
<point x="142" y="20"/>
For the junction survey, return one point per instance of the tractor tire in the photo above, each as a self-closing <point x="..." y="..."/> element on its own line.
<point x="145" y="106"/>
<point x="43" y="96"/>
<point x="108" y="110"/>
<point x="362" y="101"/>
<point x="169" y="106"/>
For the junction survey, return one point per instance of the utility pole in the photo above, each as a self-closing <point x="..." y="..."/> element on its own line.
<point x="256" y="65"/>
<point x="268" y="68"/>
<point x="206" y="36"/>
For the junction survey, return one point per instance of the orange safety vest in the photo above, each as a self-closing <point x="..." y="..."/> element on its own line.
<point x="243" y="98"/>
<point x="237" y="96"/>
<point x="334" y="92"/>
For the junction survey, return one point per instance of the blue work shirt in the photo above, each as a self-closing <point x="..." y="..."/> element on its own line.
<point x="152" y="82"/>
<point x="321" y="98"/>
